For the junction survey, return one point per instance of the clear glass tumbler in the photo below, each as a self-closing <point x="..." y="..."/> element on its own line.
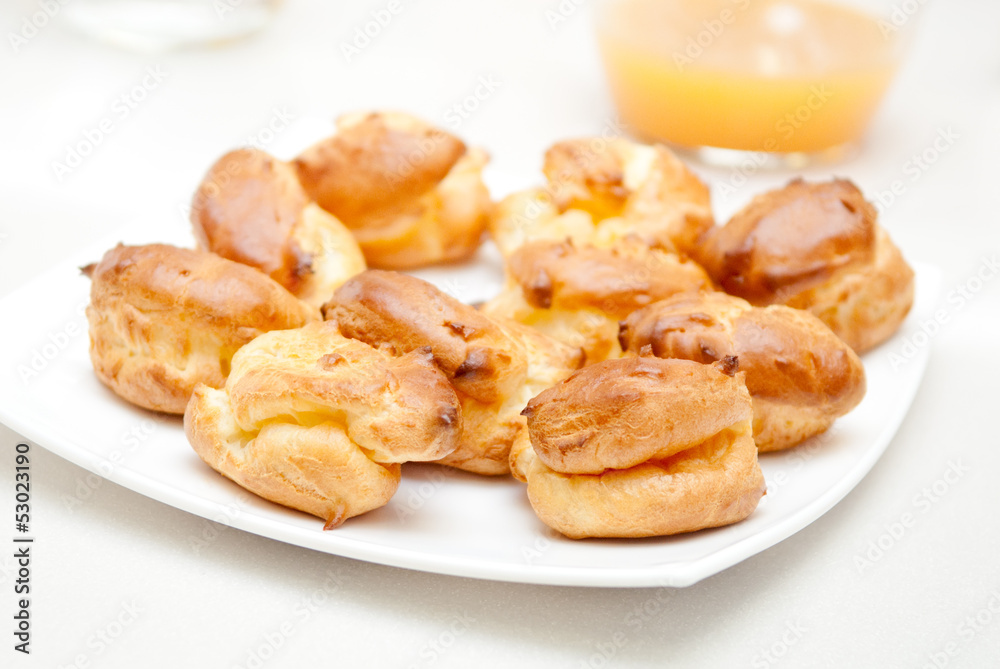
<point x="795" y="79"/>
<point x="160" y="25"/>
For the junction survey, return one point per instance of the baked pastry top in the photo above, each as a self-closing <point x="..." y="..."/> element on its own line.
<point x="815" y="246"/>
<point x="603" y="191"/>
<point x="640" y="447"/>
<point x="496" y="366"/>
<point x="251" y="208"/>
<point x="617" y="281"/>
<point x="318" y="422"/>
<point x="309" y="379"/>
<point x="577" y="293"/>
<point x="164" y="319"/>
<point x="411" y="193"/>
<point x="801" y="376"/>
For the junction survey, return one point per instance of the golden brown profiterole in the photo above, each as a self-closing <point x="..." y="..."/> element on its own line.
<point x="641" y="447"/>
<point x="495" y="366"/>
<point x="601" y="191"/>
<point x="815" y="246"/>
<point x="801" y="376"/>
<point x="321" y="423"/>
<point x="251" y="208"/>
<point x="411" y="193"/>
<point x="577" y="293"/>
<point x="164" y="319"/>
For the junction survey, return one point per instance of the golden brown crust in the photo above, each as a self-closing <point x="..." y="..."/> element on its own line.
<point x="316" y="469"/>
<point x="865" y="306"/>
<point x="815" y="246"/>
<point x="411" y="193"/>
<point x="245" y="209"/>
<point x="577" y="293"/>
<point x="790" y="239"/>
<point x="396" y="408"/>
<point x="491" y="428"/>
<point x="531" y="215"/>
<point x="801" y="375"/>
<point x="367" y="170"/>
<point x="318" y="422"/>
<point x="617" y="281"/>
<point x="664" y="202"/>
<point x="588" y="329"/>
<point x="250" y="208"/>
<point x="405" y="313"/>
<point x="666" y="445"/>
<point x="602" y="191"/>
<point x="667" y="408"/>
<point x="163" y="319"/>
<point x="714" y="484"/>
<point x="495" y="366"/>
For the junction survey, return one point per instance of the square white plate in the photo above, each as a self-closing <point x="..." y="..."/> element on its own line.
<point x="440" y="520"/>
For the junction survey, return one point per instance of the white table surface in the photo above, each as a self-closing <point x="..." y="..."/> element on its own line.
<point x="117" y="581"/>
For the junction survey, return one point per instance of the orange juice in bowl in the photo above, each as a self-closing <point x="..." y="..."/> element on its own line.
<point x="792" y="77"/>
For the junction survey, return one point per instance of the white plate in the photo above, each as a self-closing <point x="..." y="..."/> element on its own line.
<point x="440" y="520"/>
